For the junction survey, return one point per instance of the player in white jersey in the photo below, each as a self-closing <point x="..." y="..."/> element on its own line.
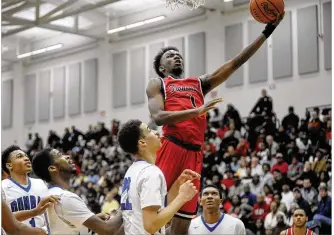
<point x="213" y="221"/>
<point x="71" y="215"/>
<point x="22" y="193"/>
<point x="144" y="188"/>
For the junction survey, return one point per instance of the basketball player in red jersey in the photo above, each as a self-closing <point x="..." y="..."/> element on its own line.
<point x="178" y="104"/>
<point x="299" y="225"/>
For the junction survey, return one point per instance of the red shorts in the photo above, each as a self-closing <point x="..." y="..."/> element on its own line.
<point x="172" y="159"/>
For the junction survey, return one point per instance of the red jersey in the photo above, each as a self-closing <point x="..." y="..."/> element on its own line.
<point x="289" y="231"/>
<point x="183" y="94"/>
<point x="260" y="211"/>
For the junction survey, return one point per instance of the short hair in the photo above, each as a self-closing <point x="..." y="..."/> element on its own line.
<point x="157" y="58"/>
<point x="6" y="154"/>
<point x="212" y="186"/>
<point x="129" y="134"/>
<point x="41" y="162"/>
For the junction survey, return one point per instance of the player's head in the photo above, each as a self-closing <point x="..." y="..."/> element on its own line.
<point x="136" y="137"/>
<point x="168" y="61"/>
<point x="211" y="198"/>
<point x="299" y="218"/>
<point x="14" y="160"/>
<point x="50" y="164"/>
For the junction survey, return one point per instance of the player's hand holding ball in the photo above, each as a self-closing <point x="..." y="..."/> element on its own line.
<point x="187" y="191"/>
<point x="270" y="12"/>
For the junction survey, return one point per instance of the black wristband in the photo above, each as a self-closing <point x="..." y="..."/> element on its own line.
<point x="269" y="30"/>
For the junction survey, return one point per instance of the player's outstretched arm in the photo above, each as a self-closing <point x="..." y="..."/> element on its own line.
<point x="211" y="81"/>
<point x="154" y="218"/>
<point x="162" y="117"/>
<point x="40" y="209"/>
<point x="12" y="226"/>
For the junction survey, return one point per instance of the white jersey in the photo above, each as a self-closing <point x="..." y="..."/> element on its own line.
<point x="67" y="216"/>
<point x="26" y="197"/>
<point x="226" y="225"/>
<point x="144" y="185"/>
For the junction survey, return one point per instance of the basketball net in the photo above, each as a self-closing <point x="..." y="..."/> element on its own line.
<point x="192" y="4"/>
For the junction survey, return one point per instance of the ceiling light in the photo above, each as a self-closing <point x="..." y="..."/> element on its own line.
<point x="12" y="6"/>
<point x="228" y="0"/>
<point x="39" y="51"/>
<point x="137" y="24"/>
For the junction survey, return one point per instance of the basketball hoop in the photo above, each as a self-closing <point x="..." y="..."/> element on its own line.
<point x="192" y="4"/>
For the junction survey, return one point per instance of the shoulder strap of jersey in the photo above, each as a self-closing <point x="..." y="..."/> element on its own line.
<point x="309" y="232"/>
<point x="289" y="231"/>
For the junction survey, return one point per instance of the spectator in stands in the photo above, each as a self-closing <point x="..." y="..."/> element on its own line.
<point x="303" y="143"/>
<point x="264" y="105"/>
<point x="281" y="224"/>
<point x="256" y="185"/>
<point x="271" y="145"/>
<point x="267" y="176"/>
<point x="243" y="147"/>
<point x="232" y="113"/>
<point x="295" y="169"/>
<point x="310" y="194"/>
<point x="250" y="196"/>
<point x="256" y="167"/>
<point x="29" y="142"/>
<point x="287" y="196"/>
<point x="291" y="120"/>
<point x="310" y="174"/>
<point x="110" y="204"/>
<point x="237" y="188"/>
<point x="53" y="140"/>
<point x="216" y="118"/>
<point x="281" y="205"/>
<point x="314" y="126"/>
<point x="319" y="163"/>
<point x="271" y="218"/>
<point x="301" y="202"/>
<point x="260" y="208"/>
<point x="232" y="133"/>
<point x="324" y="211"/>
<point x="281" y="166"/>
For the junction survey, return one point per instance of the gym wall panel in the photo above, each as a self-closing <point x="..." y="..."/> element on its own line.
<point x="44" y="96"/>
<point x="119" y="65"/>
<point x="7" y="104"/>
<point x="90" y="85"/>
<point x="258" y="63"/>
<point x="233" y="46"/>
<point x="153" y="50"/>
<point x="196" y="55"/>
<point x="137" y="76"/>
<point x="59" y="85"/>
<point x="328" y="34"/>
<point x="282" y="58"/>
<point x="30" y="99"/>
<point x="307" y="31"/>
<point x="178" y="43"/>
<point x="240" y="2"/>
<point x="74" y="89"/>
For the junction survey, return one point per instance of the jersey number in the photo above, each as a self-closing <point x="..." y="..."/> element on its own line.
<point x="192" y="101"/>
<point x="32" y="222"/>
<point x="125" y="191"/>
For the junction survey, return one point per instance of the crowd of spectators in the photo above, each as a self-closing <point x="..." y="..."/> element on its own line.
<point x="265" y="168"/>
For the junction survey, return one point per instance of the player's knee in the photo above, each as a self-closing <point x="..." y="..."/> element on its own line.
<point x="180" y="226"/>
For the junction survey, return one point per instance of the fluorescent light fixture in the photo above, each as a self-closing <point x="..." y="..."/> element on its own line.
<point x="12" y="6"/>
<point x="39" y="51"/>
<point x="137" y="24"/>
<point x="228" y="0"/>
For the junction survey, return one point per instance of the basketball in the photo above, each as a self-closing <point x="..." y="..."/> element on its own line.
<point x="266" y="11"/>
